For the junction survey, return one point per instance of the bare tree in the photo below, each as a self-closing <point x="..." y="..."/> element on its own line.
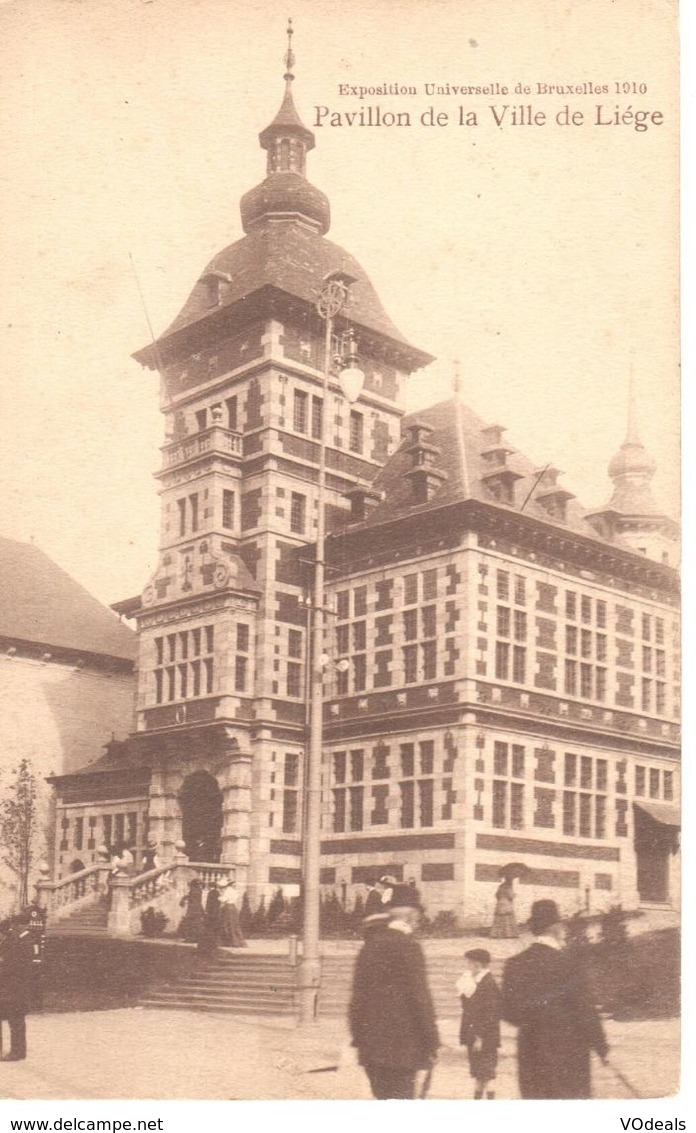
<point x="19" y="826"/>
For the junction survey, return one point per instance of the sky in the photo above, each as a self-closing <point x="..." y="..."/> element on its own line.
<point x="544" y="258"/>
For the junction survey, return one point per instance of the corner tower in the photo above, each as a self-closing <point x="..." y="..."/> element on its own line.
<point x="223" y="620"/>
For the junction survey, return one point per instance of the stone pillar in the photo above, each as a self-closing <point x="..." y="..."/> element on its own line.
<point x="236" y="816"/>
<point x="118" y="923"/>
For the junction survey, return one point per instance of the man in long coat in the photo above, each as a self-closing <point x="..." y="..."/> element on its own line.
<point x="545" y="995"/>
<point x="392" y="1020"/>
<point x="17" y="983"/>
<point x="479" y="1030"/>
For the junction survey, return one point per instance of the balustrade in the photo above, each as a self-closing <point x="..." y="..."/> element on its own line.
<point x="213" y="439"/>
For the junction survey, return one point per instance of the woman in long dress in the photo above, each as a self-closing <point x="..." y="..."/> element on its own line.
<point x="192" y="923"/>
<point x="230" y="928"/>
<point x="504" y="924"/>
<point x="210" y="928"/>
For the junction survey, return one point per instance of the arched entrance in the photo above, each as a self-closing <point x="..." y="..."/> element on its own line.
<point x="201" y="817"/>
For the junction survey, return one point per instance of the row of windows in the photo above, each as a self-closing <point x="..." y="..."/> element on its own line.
<point x="411" y="589"/>
<point x="308" y="414"/>
<point x="188" y="512"/>
<point x="586" y="772"/>
<point x="583" y="642"/>
<point x="115" y="830"/>
<point x="185" y="664"/>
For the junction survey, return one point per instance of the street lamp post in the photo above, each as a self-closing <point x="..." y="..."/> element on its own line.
<point x="330" y="303"/>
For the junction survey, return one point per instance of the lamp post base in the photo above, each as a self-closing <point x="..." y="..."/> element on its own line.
<point x="308" y="985"/>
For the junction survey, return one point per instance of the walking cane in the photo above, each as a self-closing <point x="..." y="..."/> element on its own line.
<point x="622" y="1079"/>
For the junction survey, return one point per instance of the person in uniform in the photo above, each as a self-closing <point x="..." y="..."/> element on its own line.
<point x="391" y="1015"/>
<point x="545" y="995"/>
<point x="17" y="983"/>
<point x="480" y="1026"/>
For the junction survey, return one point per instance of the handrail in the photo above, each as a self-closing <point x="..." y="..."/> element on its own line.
<point x="53" y="886"/>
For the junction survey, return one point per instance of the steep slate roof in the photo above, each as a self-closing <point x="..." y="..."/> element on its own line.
<point x="40" y="603"/>
<point x="459" y="435"/>
<point x="119" y="756"/>
<point x="295" y="259"/>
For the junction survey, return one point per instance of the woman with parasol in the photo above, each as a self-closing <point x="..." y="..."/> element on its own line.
<point x="504" y="923"/>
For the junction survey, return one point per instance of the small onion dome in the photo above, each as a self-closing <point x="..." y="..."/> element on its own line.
<point x="288" y="196"/>
<point x="632" y="459"/>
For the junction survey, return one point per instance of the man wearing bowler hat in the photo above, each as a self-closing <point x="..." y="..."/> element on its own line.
<point x="392" y="1020"/>
<point x="546" y="996"/>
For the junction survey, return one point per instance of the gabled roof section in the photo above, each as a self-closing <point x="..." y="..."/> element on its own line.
<point x="476" y="464"/>
<point x="41" y="604"/>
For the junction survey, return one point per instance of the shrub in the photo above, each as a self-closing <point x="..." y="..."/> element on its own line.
<point x="613" y="926"/>
<point x="444" y="924"/>
<point x="576" y="932"/>
<point x="246" y="918"/>
<point x="276" y="908"/>
<point x="152" y="923"/>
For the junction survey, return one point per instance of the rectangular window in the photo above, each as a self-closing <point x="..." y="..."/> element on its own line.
<point x="208" y="669"/>
<point x="586" y="681"/>
<point x="585" y="643"/>
<point x="410" y="653"/>
<point x="240" y="674"/>
<point x="343" y="639"/>
<point x="359" y="673"/>
<point x="544" y="816"/>
<point x="520" y="625"/>
<point x="645" y="627"/>
<point x="360" y="601"/>
<point x="498" y="817"/>
<point x="183" y="681"/>
<point x="193" y="502"/>
<point x="195" y="678"/>
<point x="407" y="754"/>
<point x="586" y="608"/>
<point x="410" y="589"/>
<point x="227" y="508"/>
<point x="343" y="604"/>
<point x="427" y="756"/>
<point x="520" y="590"/>
<point x="502" y="661"/>
<point x="503" y="585"/>
<point x="570" y="605"/>
<point x="298" y="513"/>
<point x="299" y="415"/>
<point x="569" y="813"/>
<point x="429" y="617"/>
<point x="410" y="625"/>
<point x="640" y="780"/>
<point x="601" y="772"/>
<point x="500" y="758"/>
<point x="317" y="417"/>
<point x="429" y="660"/>
<point x="290" y="812"/>
<point x="600" y="817"/>
<point x="517" y="761"/>
<point x="181" y="505"/>
<point x="571" y="636"/>
<point x="79" y="833"/>
<point x="647" y="659"/>
<point x="339" y="768"/>
<point x="242" y="638"/>
<point x="503" y="617"/>
<point x="519" y="664"/>
<point x="294" y="679"/>
<point x="654" y="783"/>
<point x="407" y="804"/>
<point x="357" y="765"/>
<point x="380" y="766"/>
<point x="645" y="695"/>
<point x="668" y="785"/>
<point x="429" y="585"/>
<point x="601" y="613"/>
<point x="339" y="817"/>
<point x="586" y="772"/>
<point x="601" y="646"/>
<point x="660" y="663"/>
<point x="359" y="636"/>
<point x="425" y="798"/>
<point x="294" y="643"/>
<point x="571" y="678"/>
<point x="660" y="698"/>
<point x="355" y="442"/>
<point x="517" y="806"/>
<point x="570" y="769"/>
<point x="231" y="404"/>
<point x="659" y="631"/>
<point x="380" y="812"/>
<point x="600" y="684"/>
<point x="585" y="824"/>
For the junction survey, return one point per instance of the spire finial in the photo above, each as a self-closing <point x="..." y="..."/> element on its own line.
<point x="289" y="57"/>
<point x="456" y="378"/>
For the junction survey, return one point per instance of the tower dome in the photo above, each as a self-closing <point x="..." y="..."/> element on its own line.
<point x="286" y="194"/>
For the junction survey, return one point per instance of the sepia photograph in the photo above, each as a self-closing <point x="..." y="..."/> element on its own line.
<point x="340" y="651"/>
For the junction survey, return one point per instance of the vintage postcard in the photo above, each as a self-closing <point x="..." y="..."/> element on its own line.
<point x="339" y="629"/>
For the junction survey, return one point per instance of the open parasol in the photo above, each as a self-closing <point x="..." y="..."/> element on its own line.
<point x="513" y="869"/>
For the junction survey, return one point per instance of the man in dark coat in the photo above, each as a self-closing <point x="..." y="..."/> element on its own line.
<point x="17" y="983"/>
<point x="545" y="995"/>
<point x="479" y="1031"/>
<point x="392" y="1020"/>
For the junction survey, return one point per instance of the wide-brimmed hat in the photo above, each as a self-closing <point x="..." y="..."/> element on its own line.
<point x="387" y="880"/>
<point x="544" y="914"/>
<point x="404" y="897"/>
<point x="479" y="956"/>
<point x="222" y="883"/>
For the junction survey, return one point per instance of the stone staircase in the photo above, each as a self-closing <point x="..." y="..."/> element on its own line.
<point x="245" y="983"/>
<point x="89" y="920"/>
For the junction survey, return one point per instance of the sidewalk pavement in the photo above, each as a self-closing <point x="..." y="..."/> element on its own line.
<point x="137" y="1053"/>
